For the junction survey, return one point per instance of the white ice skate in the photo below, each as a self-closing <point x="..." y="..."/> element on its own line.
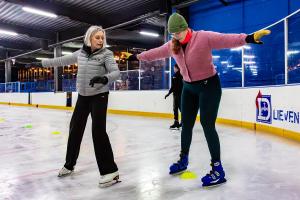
<point x="109" y="179"/>
<point x="64" y="172"/>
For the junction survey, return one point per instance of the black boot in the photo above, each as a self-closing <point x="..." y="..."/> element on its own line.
<point x="175" y="125"/>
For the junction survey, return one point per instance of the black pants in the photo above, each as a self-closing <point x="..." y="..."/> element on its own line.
<point x="205" y="95"/>
<point x="176" y="105"/>
<point x="97" y="106"/>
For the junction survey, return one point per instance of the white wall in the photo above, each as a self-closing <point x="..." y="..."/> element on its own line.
<point x="49" y="98"/>
<point x="14" y="98"/>
<point x="147" y="101"/>
<point x="236" y="104"/>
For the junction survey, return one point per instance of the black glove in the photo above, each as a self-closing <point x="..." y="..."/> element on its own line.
<point x="250" y="39"/>
<point x="34" y="64"/>
<point x="98" y="79"/>
<point x="166" y="96"/>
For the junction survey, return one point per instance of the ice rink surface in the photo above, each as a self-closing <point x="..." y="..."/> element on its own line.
<point x="33" y="145"/>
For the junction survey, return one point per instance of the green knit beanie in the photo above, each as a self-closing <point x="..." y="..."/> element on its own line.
<point x="176" y="23"/>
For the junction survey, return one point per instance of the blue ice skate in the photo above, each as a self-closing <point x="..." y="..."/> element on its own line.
<point x="215" y="177"/>
<point x="180" y="166"/>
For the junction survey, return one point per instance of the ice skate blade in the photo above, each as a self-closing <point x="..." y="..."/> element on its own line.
<point x="215" y="185"/>
<point x="108" y="184"/>
<point x="64" y="175"/>
<point x="177" y="173"/>
<point x="174" y="129"/>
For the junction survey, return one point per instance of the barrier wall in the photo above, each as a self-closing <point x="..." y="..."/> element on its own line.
<point x="274" y="107"/>
<point x="14" y="98"/>
<point x="49" y="98"/>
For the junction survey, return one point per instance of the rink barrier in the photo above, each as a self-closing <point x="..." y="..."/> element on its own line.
<point x="17" y="104"/>
<point x="37" y="106"/>
<point x="248" y="125"/>
<point x="262" y="128"/>
<point x="140" y="113"/>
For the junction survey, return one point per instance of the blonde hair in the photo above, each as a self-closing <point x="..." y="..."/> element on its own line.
<point x="90" y="32"/>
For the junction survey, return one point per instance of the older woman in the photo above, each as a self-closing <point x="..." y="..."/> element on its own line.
<point x="96" y="69"/>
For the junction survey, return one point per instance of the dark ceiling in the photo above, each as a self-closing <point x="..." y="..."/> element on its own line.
<point x="75" y="16"/>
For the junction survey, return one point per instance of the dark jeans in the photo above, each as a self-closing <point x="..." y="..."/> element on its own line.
<point x="206" y="95"/>
<point x="97" y="106"/>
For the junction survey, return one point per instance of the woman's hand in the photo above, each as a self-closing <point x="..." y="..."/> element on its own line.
<point x="98" y="79"/>
<point x="129" y="56"/>
<point x="255" y="37"/>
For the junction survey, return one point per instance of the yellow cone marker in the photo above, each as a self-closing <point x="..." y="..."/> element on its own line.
<point x="188" y="175"/>
<point x="28" y="126"/>
<point x="55" y="132"/>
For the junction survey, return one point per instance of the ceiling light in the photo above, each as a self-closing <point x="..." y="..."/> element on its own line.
<point x="41" y="58"/>
<point x="8" y="32"/>
<point x="149" y="34"/>
<point x="66" y="53"/>
<point x="39" y="12"/>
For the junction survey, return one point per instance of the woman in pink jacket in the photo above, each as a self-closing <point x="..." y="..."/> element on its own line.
<point x="201" y="86"/>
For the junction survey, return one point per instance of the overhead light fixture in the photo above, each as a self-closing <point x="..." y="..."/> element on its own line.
<point x="39" y="12"/>
<point x="41" y="58"/>
<point x="149" y="34"/>
<point x="8" y="32"/>
<point x="66" y="53"/>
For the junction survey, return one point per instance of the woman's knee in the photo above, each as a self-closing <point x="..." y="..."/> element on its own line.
<point x="209" y="125"/>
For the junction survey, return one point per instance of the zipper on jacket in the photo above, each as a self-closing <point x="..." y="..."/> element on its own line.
<point x="85" y="70"/>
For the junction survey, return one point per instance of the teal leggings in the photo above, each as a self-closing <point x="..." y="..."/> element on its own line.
<point x="206" y="95"/>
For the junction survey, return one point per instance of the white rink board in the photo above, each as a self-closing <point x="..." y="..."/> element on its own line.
<point x="49" y="98"/>
<point x="14" y="98"/>
<point x="236" y="104"/>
